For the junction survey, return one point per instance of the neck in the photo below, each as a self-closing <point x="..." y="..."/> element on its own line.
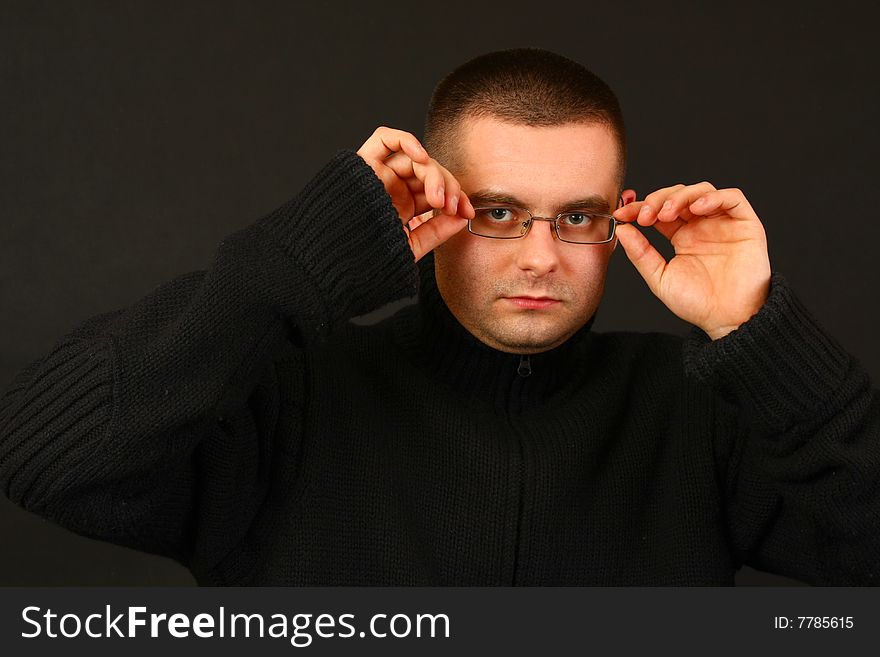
<point x="454" y="357"/>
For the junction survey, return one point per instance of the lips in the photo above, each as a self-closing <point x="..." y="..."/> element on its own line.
<point x="532" y="303"/>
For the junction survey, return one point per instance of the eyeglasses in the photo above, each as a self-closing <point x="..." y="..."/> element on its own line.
<point x="511" y="223"/>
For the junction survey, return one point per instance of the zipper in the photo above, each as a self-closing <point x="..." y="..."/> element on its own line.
<point x="523" y="370"/>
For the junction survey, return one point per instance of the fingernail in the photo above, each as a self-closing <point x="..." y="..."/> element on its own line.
<point x="454" y="203"/>
<point x="442" y="194"/>
<point x="667" y="205"/>
<point x="645" y="209"/>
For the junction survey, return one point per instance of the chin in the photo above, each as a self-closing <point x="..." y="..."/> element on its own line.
<point x="522" y="342"/>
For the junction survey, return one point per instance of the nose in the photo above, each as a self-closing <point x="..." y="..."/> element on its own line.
<point x="538" y="250"/>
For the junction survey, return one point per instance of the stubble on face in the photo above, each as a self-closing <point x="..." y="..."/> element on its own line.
<point x="546" y="168"/>
<point x="494" y="321"/>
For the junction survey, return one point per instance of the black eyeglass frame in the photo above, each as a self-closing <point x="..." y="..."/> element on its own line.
<point x="555" y="220"/>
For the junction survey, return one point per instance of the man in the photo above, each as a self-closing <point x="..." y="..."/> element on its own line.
<point x="235" y="421"/>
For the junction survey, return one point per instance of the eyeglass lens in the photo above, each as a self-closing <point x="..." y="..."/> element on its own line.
<point x="511" y="223"/>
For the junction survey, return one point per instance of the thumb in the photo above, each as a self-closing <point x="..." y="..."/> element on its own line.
<point x="433" y="232"/>
<point x="646" y="259"/>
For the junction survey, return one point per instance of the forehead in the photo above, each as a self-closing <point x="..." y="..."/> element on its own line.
<point x="543" y="165"/>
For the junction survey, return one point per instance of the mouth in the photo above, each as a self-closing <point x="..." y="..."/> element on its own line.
<point x="532" y="303"/>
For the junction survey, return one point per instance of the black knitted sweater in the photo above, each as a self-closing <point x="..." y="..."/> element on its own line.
<point x="236" y="421"/>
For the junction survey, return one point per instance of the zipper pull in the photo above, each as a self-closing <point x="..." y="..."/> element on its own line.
<point x="525" y="366"/>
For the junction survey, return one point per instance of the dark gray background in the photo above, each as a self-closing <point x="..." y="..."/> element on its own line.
<point x="136" y="135"/>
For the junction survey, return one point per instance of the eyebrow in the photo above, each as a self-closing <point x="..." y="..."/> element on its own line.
<point x="491" y="196"/>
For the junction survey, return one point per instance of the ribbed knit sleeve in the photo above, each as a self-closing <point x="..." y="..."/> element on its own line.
<point x="344" y="233"/>
<point x="151" y="426"/>
<point x="798" y="442"/>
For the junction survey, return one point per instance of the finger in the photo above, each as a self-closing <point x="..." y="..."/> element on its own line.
<point x="402" y="165"/>
<point x="649" y="208"/>
<point x="421" y="203"/>
<point x="435" y="182"/>
<point x="465" y="207"/>
<point x="669" y="228"/>
<point x="448" y="192"/>
<point x="417" y="193"/>
<point x="645" y="214"/>
<point x="397" y="189"/>
<point x="637" y="211"/>
<point x="425" y="179"/>
<point x="664" y="205"/>
<point x="434" y="232"/>
<point x="387" y="141"/>
<point x="457" y="201"/>
<point x="646" y="259"/>
<point x="445" y="194"/>
<point x="731" y="202"/>
<point x="675" y="204"/>
<point x="628" y="212"/>
<point x="419" y="219"/>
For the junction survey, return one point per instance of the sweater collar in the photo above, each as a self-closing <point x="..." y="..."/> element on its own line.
<point x="451" y="354"/>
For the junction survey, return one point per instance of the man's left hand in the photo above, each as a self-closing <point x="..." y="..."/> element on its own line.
<point x="720" y="274"/>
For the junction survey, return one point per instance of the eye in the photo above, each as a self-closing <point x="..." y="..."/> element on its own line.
<point x="498" y="214"/>
<point x="576" y="219"/>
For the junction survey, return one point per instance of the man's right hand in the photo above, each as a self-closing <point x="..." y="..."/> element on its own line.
<point x="418" y="185"/>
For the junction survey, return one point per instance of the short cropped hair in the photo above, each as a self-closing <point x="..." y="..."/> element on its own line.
<point x="525" y="86"/>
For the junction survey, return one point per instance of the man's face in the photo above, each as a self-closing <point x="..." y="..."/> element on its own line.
<point x="491" y="285"/>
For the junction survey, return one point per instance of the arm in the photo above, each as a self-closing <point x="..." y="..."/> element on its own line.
<point x="798" y="445"/>
<point x="137" y="428"/>
<point x="798" y="440"/>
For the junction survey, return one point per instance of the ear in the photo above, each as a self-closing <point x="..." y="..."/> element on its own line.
<point x="627" y="196"/>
